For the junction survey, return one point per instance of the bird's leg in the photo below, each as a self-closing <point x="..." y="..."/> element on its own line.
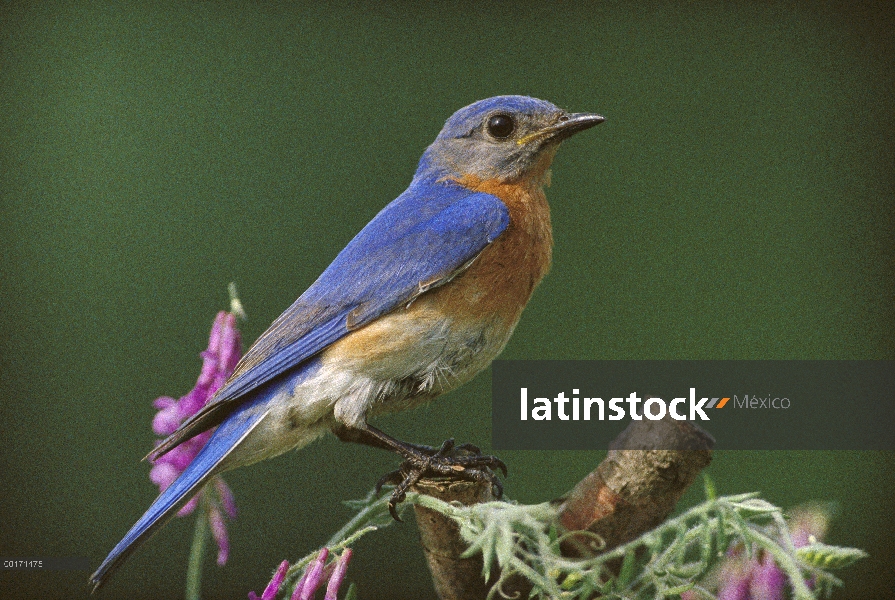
<point x="356" y="435"/>
<point x="463" y="462"/>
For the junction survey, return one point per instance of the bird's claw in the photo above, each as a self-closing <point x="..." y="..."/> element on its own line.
<point x="463" y="462"/>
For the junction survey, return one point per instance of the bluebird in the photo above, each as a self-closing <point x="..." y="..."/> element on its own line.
<point x="419" y="302"/>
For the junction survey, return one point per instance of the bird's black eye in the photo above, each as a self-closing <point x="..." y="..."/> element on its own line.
<point x="501" y="126"/>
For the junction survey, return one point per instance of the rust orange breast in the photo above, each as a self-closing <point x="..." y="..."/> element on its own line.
<point x="488" y="297"/>
<point x="500" y="282"/>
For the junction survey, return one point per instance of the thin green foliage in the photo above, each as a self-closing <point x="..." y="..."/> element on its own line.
<point x="524" y="540"/>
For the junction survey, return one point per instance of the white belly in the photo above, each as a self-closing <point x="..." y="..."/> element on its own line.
<point x="421" y="363"/>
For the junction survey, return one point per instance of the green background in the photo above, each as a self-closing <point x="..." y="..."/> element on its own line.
<point x="737" y="203"/>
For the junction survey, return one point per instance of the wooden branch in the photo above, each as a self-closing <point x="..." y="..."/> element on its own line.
<point x="455" y="578"/>
<point x="648" y="468"/>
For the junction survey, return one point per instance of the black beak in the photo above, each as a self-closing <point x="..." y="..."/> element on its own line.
<point x="567" y="126"/>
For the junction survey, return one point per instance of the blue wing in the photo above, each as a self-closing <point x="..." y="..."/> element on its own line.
<point x="239" y="424"/>
<point x="417" y="242"/>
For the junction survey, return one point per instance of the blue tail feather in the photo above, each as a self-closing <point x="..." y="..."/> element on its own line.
<point x="208" y="462"/>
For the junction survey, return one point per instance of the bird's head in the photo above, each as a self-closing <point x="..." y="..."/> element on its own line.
<point x="505" y="138"/>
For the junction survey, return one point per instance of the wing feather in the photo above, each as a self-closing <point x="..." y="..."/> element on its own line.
<point x="421" y="240"/>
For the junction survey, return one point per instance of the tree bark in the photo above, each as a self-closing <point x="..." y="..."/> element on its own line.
<point x="455" y="578"/>
<point x="649" y="467"/>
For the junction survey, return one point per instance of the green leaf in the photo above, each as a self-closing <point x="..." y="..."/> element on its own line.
<point x="571" y="580"/>
<point x="627" y="570"/>
<point x="825" y="556"/>
<point x="677" y="590"/>
<point x="709" y="484"/>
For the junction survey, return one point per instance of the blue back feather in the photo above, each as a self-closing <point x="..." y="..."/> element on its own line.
<point x="423" y="236"/>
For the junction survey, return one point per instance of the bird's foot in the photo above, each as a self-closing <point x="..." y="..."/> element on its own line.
<point x="464" y="462"/>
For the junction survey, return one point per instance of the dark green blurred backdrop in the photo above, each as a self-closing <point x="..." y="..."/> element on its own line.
<point x="737" y="203"/>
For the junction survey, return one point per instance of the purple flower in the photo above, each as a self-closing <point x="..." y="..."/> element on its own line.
<point x="768" y="581"/>
<point x="270" y="592"/>
<point x="316" y="574"/>
<point x="218" y="361"/>
<point x="759" y="578"/>
<point x="338" y="575"/>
